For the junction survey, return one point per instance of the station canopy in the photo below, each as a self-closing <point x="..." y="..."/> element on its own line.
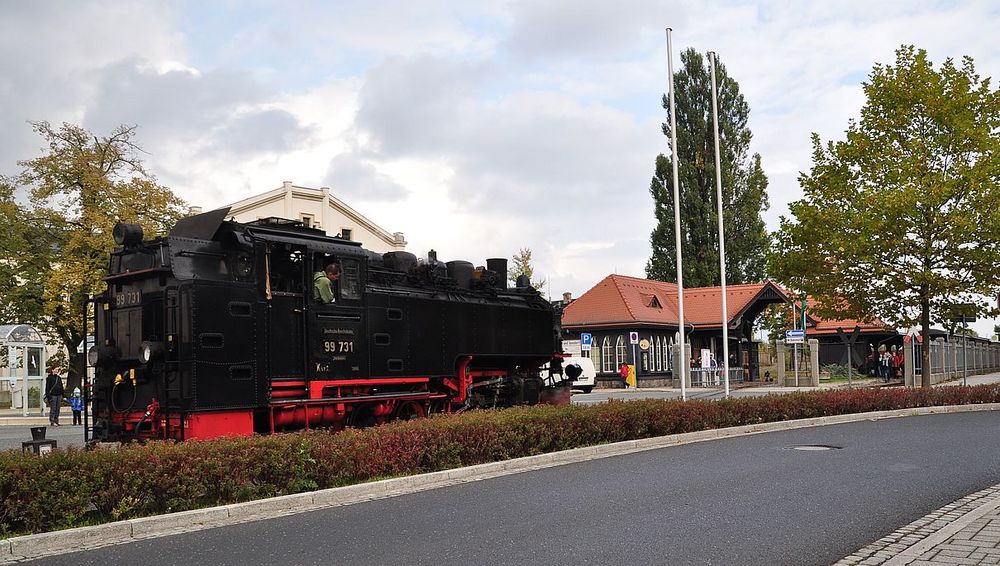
<point x="20" y="335"/>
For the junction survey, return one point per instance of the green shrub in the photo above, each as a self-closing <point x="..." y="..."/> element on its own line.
<point x="835" y="371"/>
<point x="74" y="487"/>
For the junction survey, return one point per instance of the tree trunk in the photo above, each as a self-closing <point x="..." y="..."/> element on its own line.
<point x="77" y="369"/>
<point x="925" y="333"/>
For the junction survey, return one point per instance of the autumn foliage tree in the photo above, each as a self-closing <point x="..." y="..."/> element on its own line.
<point x="522" y="265"/>
<point x="901" y="220"/>
<point x="57" y="245"/>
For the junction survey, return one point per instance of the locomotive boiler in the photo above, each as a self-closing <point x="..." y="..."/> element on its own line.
<point x="213" y="330"/>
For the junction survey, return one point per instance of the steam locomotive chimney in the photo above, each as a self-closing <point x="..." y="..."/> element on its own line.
<point x="432" y="256"/>
<point x="498" y="265"/>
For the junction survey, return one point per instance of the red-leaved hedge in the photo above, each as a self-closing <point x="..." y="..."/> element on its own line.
<point x="75" y="487"/>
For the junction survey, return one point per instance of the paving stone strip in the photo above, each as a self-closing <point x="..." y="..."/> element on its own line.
<point x="28" y="547"/>
<point x="966" y="531"/>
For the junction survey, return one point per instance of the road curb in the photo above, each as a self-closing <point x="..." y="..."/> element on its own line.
<point x="85" y="538"/>
<point x="24" y="421"/>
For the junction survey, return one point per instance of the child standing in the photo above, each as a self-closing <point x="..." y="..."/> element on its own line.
<point x="76" y="403"/>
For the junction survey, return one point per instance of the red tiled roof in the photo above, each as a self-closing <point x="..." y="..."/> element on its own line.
<point x="824" y="327"/>
<point x="623" y="300"/>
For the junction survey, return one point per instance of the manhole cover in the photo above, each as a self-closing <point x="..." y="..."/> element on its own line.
<point x="814" y="447"/>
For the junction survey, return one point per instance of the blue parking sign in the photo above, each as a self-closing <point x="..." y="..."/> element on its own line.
<point x="586" y="339"/>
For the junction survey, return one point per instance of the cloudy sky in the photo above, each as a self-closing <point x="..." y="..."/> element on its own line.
<point x="476" y="128"/>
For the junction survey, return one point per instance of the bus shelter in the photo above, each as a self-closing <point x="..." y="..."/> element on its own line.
<point x="24" y="349"/>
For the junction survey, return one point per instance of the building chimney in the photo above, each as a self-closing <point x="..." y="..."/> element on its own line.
<point x="567" y="298"/>
<point x="194" y="210"/>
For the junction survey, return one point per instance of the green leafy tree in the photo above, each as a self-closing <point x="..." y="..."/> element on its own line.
<point x="58" y="244"/>
<point x="900" y="220"/>
<point x="744" y="185"/>
<point x="522" y="264"/>
<point x="775" y="320"/>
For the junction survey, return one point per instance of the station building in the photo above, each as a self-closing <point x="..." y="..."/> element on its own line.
<point x="317" y="208"/>
<point x="619" y="305"/>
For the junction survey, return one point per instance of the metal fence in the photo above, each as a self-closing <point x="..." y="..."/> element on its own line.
<point x="953" y="359"/>
<point x="713" y="377"/>
<point x="804" y="358"/>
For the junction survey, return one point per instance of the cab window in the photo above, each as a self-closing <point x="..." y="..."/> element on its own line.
<point x="285" y="269"/>
<point x="350" y="279"/>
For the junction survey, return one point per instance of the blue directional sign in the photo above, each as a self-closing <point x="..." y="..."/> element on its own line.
<point x="586" y="339"/>
<point x="795" y="336"/>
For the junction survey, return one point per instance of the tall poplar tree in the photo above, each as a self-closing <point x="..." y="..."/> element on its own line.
<point x="744" y="184"/>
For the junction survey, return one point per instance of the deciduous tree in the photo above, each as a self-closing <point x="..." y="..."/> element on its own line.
<point x="522" y="264"/>
<point x="901" y="220"/>
<point x="59" y="242"/>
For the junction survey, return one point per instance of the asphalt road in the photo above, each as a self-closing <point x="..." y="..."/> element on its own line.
<point x="748" y="500"/>
<point x="11" y="436"/>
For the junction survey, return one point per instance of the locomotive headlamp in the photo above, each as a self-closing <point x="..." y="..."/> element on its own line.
<point x="101" y="355"/>
<point x="573" y="371"/>
<point x="149" y="351"/>
<point x="128" y="235"/>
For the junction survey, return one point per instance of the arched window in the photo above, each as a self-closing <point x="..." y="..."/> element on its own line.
<point x="657" y="365"/>
<point x="620" y="352"/>
<point x="606" y="359"/>
<point x="670" y="354"/>
<point x="660" y="347"/>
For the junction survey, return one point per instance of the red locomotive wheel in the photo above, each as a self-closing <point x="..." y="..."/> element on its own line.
<point x="407" y="410"/>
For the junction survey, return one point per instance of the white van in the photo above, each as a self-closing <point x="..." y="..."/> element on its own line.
<point x="588" y="375"/>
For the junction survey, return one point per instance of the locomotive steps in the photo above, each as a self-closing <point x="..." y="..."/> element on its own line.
<point x="60" y="542"/>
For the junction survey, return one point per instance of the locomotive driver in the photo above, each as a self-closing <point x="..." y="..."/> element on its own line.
<point x="323" y="283"/>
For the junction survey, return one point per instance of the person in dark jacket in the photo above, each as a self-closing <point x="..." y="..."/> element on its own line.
<point x="54" y="394"/>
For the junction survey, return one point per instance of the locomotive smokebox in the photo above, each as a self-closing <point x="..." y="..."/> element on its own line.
<point x="462" y="272"/>
<point x="498" y="265"/>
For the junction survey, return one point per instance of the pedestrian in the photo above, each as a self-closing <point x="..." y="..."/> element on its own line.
<point x="54" y="393"/>
<point x="76" y="403"/>
<point x="623" y="372"/>
<point x="898" y="361"/>
<point x="884" y="363"/>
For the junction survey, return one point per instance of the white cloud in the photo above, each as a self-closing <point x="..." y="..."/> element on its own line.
<point x="475" y="128"/>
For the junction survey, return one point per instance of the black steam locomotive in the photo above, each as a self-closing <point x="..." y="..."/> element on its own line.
<point x="214" y="330"/>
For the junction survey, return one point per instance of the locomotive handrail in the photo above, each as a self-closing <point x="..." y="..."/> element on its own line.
<point x="335" y="316"/>
<point x="355" y="398"/>
<point x="126" y="274"/>
<point x="186" y="253"/>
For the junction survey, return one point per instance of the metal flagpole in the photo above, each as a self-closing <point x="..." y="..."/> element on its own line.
<point x="677" y="217"/>
<point x="713" y="58"/>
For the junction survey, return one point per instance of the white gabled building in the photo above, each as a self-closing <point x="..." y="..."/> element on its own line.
<point x="319" y="209"/>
